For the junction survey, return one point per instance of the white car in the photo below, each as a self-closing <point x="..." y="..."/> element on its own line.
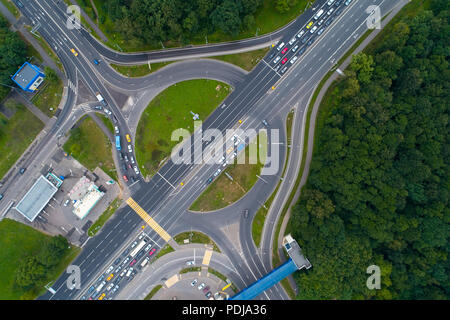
<point x="201" y="286"/>
<point x="329" y="12"/>
<point x="148" y="247"/>
<point x="129" y="148"/>
<point x="280" y="46"/>
<point x="110" y="287"/>
<point x="313" y="29"/>
<point x="110" y="269"/>
<point x="132" y="160"/>
<point x="134" y="244"/>
<point x="294" y="59"/>
<point x="292" y="41"/>
<point x="194" y="282"/>
<point x="136" y="170"/>
<point x="107" y="112"/>
<point x="190" y="263"/>
<point x="299" y="35"/>
<point x="276" y="59"/>
<point x="330" y="2"/>
<point x="116" y="130"/>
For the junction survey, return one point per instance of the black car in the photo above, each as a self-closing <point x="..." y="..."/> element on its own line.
<point x="117" y="261"/>
<point x="338" y="3"/>
<point x="126" y="252"/>
<point x="310" y="42"/>
<point x="121" y="155"/>
<point x="133" y="179"/>
<point x="338" y="11"/>
<point x="245" y="212"/>
<point x="124" y="167"/>
<point x="302" y="50"/>
<point x="209" y="180"/>
<point x="1" y="196"/>
<point x="272" y="55"/>
<point x="304" y="39"/>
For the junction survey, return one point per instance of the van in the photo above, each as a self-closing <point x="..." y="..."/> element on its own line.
<point x="318" y="14"/>
<point x="144" y="263"/>
<point x="130" y="271"/>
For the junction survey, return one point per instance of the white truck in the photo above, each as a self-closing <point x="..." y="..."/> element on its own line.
<point x="100" y="98"/>
<point x="318" y="14"/>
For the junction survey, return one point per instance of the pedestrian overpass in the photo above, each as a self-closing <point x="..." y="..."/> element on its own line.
<point x="296" y="262"/>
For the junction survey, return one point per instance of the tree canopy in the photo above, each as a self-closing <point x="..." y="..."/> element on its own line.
<point x="378" y="188"/>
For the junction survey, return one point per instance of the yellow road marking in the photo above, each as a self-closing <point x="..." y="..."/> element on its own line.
<point x="207" y="257"/>
<point x="152" y="223"/>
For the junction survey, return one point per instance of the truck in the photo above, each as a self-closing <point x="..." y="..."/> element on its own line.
<point x="100" y="98"/>
<point x="318" y="14"/>
<point x="100" y="286"/>
<point x="137" y="249"/>
<point x="118" y="143"/>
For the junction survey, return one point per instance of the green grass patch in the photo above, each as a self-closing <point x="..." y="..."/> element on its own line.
<point x="169" y="111"/>
<point x="48" y="97"/>
<point x="153" y="292"/>
<point x="164" y="250"/>
<point x="222" y="277"/>
<point x="89" y="145"/>
<point x="245" y="60"/>
<point x="139" y="70"/>
<point x="193" y="269"/>
<point x="195" y="237"/>
<point x="260" y="216"/>
<point x="104" y="217"/>
<point x="107" y="121"/>
<point x="14" y="138"/>
<point x="11" y="7"/>
<point x="222" y="191"/>
<point x="18" y="241"/>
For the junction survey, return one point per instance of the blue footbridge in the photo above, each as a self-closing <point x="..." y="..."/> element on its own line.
<point x="297" y="261"/>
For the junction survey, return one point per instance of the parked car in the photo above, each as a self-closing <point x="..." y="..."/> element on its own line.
<point x="152" y="252"/>
<point x="201" y="286"/>
<point x="22" y="170"/>
<point x="194" y="282"/>
<point x="205" y="289"/>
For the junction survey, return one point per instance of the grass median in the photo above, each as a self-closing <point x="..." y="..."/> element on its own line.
<point x="170" y="110"/>
<point x="195" y="237"/>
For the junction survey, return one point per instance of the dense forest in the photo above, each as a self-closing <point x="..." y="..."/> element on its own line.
<point x="152" y="21"/>
<point x="13" y="53"/>
<point x="378" y="188"/>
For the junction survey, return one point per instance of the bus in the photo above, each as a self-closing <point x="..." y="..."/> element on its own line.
<point x="118" y="143"/>
<point x="137" y="249"/>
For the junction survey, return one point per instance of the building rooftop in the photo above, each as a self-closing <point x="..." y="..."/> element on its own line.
<point x="26" y="75"/>
<point x="36" y="198"/>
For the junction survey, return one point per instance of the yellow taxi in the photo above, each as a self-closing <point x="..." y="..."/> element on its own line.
<point x="74" y="52"/>
<point x="102" y="296"/>
<point x="110" y="277"/>
<point x="128" y="138"/>
<point x="309" y="25"/>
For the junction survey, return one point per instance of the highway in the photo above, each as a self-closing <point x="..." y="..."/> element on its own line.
<point x="268" y="93"/>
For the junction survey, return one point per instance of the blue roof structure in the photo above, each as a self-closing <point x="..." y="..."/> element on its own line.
<point x="27" y="75"/>
<point x="267" y="281"/>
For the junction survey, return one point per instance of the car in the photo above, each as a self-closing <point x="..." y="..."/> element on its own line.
<point x="304" y="40"/>
<point x="115" y="119"/>
<point x="92" y="288"/>
<point x="116" y="129"/>
<point x="152" y="252"/>
<point x="300" y="34"/>
<point x="265" y="123"/>
<point x="101" y="278"/>
<point x="217" y="172"/>
<point x="117" y="261"/>
<point x="118" y="279"/>
<point x="132" y="160"/>
<point x="1" y="196"/>
<point x="346" y="3"/>
<point x="125" y="178"/>
<point x="132" y="262"/>
<point x="125" y="261"/>
<point x="110" y="269"/>
<point x="133" y="179"/>
<point x="330" y="2"/>
<point x="194" y="282"/>
<point x="313" y="29"/>
<point x="329" y="21"/>
<point x="126" y="158"/>
<point x="129" y="166"/>
<point x="208" y="294"/>
<point x="121" y="156"/>
<point x="284" y="50"/>
<point x="74" y="52"/>
<point x="96" y="61"/>
<point x="201" y="286"/>
<point x="102" y="296"/>
<point x="115" y="289"/>
<point x="293" y="59"/>
<point x="148" y="247"/>
<point x="130" y="150"/>
<point x="292" y="41"/>
<point x="320" y="31"/>
<point x="276" y="59"/>
<point x="245" y="212"/>
<point x="284" y="60"/>
<point x="118" y="269"/>
<point x="302" y="51"/>
<point x="111" y="285"/>
<point x="22" y="170"/>
<point x="329" y="12"/>
<point x="338" y="11"/>
<point x="98" y="107"/>
<point x="272" y="55"/>
<point x="110" y="277"/>
<point x="295" y="48"/>
<point x="66" y="203"/>
<point x="280" y="46"/>
<point x="205" y="289"/>
<point x="128" y="138"/>
<point x="190" y="263"/>
<point x="107" y="112"/>
<point x="133" y="244"/>
<point x="19" y="4"/>
<point x="209" y="180"/>
<point x="309" y="25"/>
<point x="320" y="22"/>
<point x="126" y="252"/>
<point x="338" y="3"/>
<point x="124" y="167"/>
<point x="283" y="70"/>
<point x="136" y="170"/>
<point x="310" y="42"/>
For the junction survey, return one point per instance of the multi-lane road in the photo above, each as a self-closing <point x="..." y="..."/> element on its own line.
<point x="268" y="92"/>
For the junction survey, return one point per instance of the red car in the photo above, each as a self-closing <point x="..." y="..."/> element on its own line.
<point x="132" y="262"/>
<point x="284" y="61"/>
<point x="152" y="252"/>
<point x="284" y="50"/>
<point x="125" y="178"/>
